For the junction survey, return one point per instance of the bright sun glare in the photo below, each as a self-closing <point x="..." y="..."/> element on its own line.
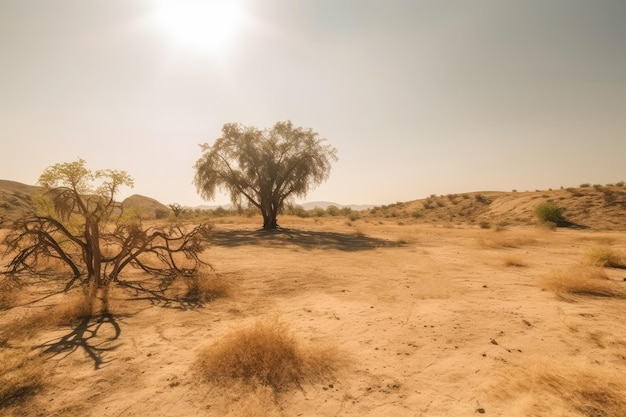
<point x="206" y="25"/>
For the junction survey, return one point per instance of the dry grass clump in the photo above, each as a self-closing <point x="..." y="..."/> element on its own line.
<point x="8" y="293"/>
<point x="582" y="280"/>
<point x="574" y="389"/>
<point x="21" y="375"/>
<point x="605" y="256"/>
<point x="72" y="308"/>
<point x="266" y="354"/>
<point x="206" y="286"/>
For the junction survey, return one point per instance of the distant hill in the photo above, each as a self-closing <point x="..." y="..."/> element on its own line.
<point x="600" y="207"/>
<point x="324" y="205"/>
<point x="148" y="207"/>
<point x="597" y="207"/>
<point x="15" y="197"/>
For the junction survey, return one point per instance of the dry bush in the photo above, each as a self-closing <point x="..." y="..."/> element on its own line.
<point x="266" y="354"/>
<point x="206" y="286"/>
<point x="605" y="257"/>
<point x="9" y="289"/>
<point x="546" y="388"/>
<point x="21" y="375"/>
<point x="72" y="308"/>
<point x="581" y="280"/>
<point x="513" y="261"/>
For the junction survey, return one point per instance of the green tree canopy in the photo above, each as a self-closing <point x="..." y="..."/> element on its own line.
<point x="264" y="168"/>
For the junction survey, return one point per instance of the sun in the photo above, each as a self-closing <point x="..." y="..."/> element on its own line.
<point x="204" y="25"/>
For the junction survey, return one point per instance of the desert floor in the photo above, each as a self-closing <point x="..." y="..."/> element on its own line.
<point x="425" y="320"/>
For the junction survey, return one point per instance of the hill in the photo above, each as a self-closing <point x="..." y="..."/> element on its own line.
<point x="15" y="197"/>
<point x="149" y="208"/>
<point x="601" y="207"/>
<point x="325" y="204"/>
<point x="597" y="207"/>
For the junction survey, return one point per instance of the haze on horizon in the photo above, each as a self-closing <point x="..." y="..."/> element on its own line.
<point x="419" y="97"/>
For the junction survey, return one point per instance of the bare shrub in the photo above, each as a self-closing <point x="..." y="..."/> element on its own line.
<point x="605" y="256"/>
<point x="21" y="375"/>
<point x="581" y="280"/>
<point x="266" y="354"/>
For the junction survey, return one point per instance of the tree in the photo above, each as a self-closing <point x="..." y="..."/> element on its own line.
<point x="265" y="168"/>
<point x="78" y="222"/>
<point x="178" y="210"/>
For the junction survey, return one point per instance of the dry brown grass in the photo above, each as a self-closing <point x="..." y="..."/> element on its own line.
<point x="567" y="389"/>
<point x="8" y="293"/>
<point x="207" y="286"/>
<point x="582" y="280"/>
<point x="604" y="256"/>
<point x="266" y="354"/>
<point x="21" y="375"/>
<point x="71" y="308"/>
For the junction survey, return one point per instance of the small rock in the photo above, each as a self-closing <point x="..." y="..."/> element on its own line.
<point x="485" y="286"/>
<point x="480" y="410"/>
<point x="527" y="323"/>
<point x="493" y="342"/>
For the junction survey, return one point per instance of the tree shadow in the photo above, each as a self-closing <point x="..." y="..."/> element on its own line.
<point x="88" y="336"/>
<point x="157" y="296"/>
<point x="305" y="239"/>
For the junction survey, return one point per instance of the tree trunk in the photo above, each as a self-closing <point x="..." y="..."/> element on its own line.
<point x="269" y="219"/>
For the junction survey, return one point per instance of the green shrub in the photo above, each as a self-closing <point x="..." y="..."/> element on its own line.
<point x="550" y="212"/>
<point x="332" y="210"/>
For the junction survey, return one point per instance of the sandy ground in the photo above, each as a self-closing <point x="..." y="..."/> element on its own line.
<point x="434" y="321"/>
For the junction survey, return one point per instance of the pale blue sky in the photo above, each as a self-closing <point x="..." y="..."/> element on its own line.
<point x="419" y="96"/>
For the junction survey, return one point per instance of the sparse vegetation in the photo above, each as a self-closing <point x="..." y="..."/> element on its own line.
<point x="21" y="375"/>
<point x="604" y="256"/>
<point x="579" y="389"/>
<point x="550" y="212"/>
<point x="586" y="281"/>
<point x="266" y="354"/>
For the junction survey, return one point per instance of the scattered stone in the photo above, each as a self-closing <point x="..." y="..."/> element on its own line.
<point x="480" y="410"/>
<point x="527" y="323"/>
<point x="493" y="342"/>
<point x="485" y="286"/>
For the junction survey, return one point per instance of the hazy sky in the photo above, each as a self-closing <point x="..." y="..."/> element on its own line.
<point x="419" y="96"/>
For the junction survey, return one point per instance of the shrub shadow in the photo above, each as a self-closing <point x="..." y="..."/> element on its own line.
<point x="87" y="335"/>
<point x="305" y="239"/>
